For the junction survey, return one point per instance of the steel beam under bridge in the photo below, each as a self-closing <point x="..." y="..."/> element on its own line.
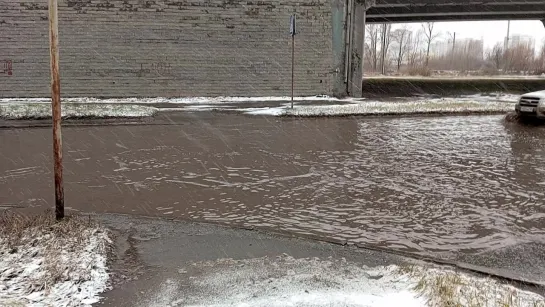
<point x="384" y="11"/>
<point x="350" y="17"/>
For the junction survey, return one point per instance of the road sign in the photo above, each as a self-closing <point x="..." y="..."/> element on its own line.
<point x="293" y="29"/>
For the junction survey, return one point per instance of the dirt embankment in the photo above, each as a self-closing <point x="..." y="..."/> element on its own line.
<point x="408" y="86"/>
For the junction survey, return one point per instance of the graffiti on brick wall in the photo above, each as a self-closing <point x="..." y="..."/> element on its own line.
<point x="140" y="71"/>
<point x="6" y="67"/>
<point x="160" y="68"/>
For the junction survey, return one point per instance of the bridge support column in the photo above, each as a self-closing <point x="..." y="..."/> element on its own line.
<point x="356" y="51"/>
<point x="338" y="15"/>
<point x="348" y="45"/>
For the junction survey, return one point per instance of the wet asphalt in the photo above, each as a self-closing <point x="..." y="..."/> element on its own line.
<point x="151" y="251"/>
<point x="464" y="189"/>
<point x="157" y="261"/>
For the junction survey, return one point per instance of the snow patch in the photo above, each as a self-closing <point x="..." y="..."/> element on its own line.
<point x="15" y="108"/>
<point x="491" y="97"/>
<point x="285" y="281"/>
<point x="182" y="100"/>
<point x="44" y="270"/>
<point x="43" y="111"/>
<point x="429" y="106"/>
<point x="265" y="111"/>
<point x="415" y="107"/>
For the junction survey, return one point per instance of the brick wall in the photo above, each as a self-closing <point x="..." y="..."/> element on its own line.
<point x="120" y="48"/>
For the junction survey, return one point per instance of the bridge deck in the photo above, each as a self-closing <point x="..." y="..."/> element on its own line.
<point x="451" y="10"/>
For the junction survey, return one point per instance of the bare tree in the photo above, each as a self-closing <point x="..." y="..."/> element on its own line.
<point x="467" y="56"/>
<point x="430" y="35"/>
<point x="385" y="36"/>
<point x="540" y="60"/>
<point x="495" y="55"/>
<point x="519" y="57"/>
<point x="414" y="47"/>
<point x="402" y="38"/>
<point x="372" y="44"/>
<point x="452" y="41"/>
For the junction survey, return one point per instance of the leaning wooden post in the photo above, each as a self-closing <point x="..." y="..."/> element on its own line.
<point x="56" y="107"/>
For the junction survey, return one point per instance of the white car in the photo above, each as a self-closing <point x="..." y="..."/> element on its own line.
<point x="532" y="104"/>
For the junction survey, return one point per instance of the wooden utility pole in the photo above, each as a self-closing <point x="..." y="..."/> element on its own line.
<point x="56" y="107"/>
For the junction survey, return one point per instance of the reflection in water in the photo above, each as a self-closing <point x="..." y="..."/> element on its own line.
<point x="527" y="177"/>
<point x="431" y="185"/>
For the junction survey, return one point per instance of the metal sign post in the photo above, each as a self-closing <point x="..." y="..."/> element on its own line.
<point x="293" y="31"/>
<point x="56" y="107"/>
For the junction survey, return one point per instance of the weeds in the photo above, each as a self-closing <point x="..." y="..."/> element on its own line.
<point x="37" y="253"/>
<point x="14" y="227"/>
<point x="447" y="288"/>
<point x="407" y="269"/>
<point x="31" y="111"/>
<point x="419" y="71"/>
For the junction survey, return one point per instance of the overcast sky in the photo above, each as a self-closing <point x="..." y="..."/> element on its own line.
<point x="490" y="31"/>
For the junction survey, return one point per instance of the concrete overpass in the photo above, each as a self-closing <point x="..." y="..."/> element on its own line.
<point x="359" y="12"/>
<point x="382" y="11"/>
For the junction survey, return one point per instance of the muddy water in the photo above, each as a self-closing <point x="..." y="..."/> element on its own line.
<point x="429" y="185"/>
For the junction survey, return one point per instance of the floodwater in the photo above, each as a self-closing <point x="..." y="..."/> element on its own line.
<point x="420" y="184"/>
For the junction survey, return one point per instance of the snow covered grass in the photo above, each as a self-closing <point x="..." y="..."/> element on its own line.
<point x="312" y="106"/>
<point x="180" y="100"/>
<point x="286" y="281"/>
<point x="393" y="108"/>
<point x="446" y="287"/>
<point x="43" y="263"/>
<point x="36" y="110"/>
<point x="432" y="106"/>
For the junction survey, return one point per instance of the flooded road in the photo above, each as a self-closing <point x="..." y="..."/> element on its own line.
<point x="430" y="185"/>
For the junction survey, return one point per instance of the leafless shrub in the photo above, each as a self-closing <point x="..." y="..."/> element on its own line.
<point x="53" y="246"/>
<point x="419" y="71"/>
<point x="13" y="226"/>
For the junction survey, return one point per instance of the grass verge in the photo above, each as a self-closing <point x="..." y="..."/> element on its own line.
<point x="422" y="107"/>
<point x="403" y="86"/>
<point x="450" y="288"/>
<point x="50" y="263"/>
<point x="15" y="111"/>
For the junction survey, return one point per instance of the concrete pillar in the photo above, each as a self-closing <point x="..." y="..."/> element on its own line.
<point x="348" y="17"/>
<point x="356" y="58"/>
<point x="338" y="10"/>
